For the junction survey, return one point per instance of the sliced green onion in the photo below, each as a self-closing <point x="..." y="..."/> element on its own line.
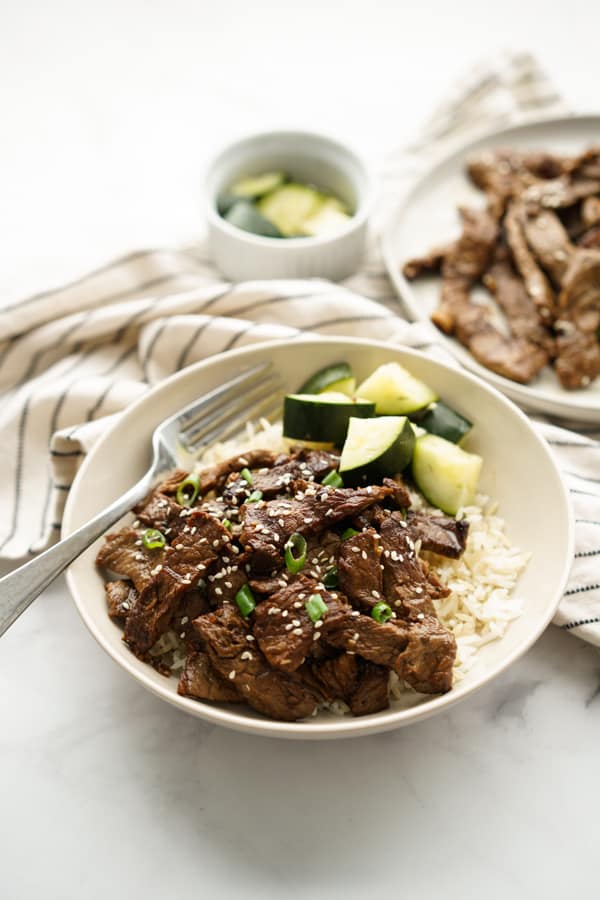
<point x="245" y="600"/>
<point x="316" y="607"/>
<point x="330" y="578"/>
<point x="187" y="491"/>
<point x="254" y="497"/>
<point x="295" y="553"/>
<point x="153" y="539"/>
<point x="381" y="612"/>
<point x="226" y="523"/>
<point x="349" y="532"/>
<point x="246" y="474"/>
<point x="334" y="479"/>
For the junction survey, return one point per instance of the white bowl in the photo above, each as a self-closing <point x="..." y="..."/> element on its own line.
<point x="519" y="472"/>
<point x="311" y="159"/>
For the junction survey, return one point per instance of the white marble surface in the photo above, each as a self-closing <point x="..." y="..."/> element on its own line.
<point x="108" y="114"/>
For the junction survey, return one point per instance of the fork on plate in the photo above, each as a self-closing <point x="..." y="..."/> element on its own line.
<point x="218" y="415"/>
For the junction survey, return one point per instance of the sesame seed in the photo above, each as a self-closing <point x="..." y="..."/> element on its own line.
<point x="250" y="637"/>
<point x="216" y="542"/>
<point x="297" y="631"/>
<point x="156" y="569"/>
<point x="314" y="561"/>
<point x="284" y="614"/>
<point x="179" y="546"/>
<point x="355" y="636"/>
<point x="136" y="523"/>
<point x="185" y="620"/>
<point x="296" y="622"/>
<point x="355" y="613"/>
<point x="225" y="559"/>
<point x="218" y="591"/>
<point x="282" y="582"/>
<point x="231" y="675"/>
<point x="319" y="623"/>
<point x="418" y="590"/>
<point x="182" y="635"/>
<point x="228" y="584"/>
<point x="297" y="605"/>
<point x="272" y="610"/>
<point x="375" y="594"/>
<point x="355" y="549"/>
<point x="316" y="635"/>
<point x="301" y="596"/>
<point x="364" y="554"/>
<point x="138" y="543"/>
<point x="289" y="626"/>
<point x="246" y="655"/>
<point x="421" y="616"/>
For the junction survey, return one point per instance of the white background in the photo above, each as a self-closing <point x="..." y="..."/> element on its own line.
<point x="108" y="114"/>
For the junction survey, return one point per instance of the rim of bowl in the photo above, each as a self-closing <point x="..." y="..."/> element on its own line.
<point x="357" y="220"/>
<point x="344" y="728"/>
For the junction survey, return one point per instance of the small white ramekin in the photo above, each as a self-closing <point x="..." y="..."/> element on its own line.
<point x="311" y="159"/>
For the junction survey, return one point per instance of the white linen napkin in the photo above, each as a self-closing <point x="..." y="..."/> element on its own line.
<point x="71" y="359"/>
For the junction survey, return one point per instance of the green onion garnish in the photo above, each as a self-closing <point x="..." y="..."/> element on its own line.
<point x="295" y="553"/>
<point x="316" y="607"/>
<point x="226" y="523"/>
<point x="245" y="600"/>
<point x="333" y="479"/>
<point x="153" y="539"/>
<point x="187" y="491"/>
<point x="254" y="497"/>
<point x="246" y="474"/>
<point x="349" y="532"/>
<point x="381" y="612"/>
<point x="330" y="578"/>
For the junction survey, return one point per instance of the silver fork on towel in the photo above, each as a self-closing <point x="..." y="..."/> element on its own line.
<point x="218" y="415"/>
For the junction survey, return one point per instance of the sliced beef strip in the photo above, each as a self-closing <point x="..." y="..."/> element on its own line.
<point x="267" y="525"/>
<point x="202" y="682"/>
<point x="426" y="663"/>
<point x="578" y="359"/>
<point x="372" y="693"/>
<point x="429" y="264"/>
<point x="236" y="658"/>
<point x="514" y="358"/>
<point x="560" y="192"/>
<point x="195" y="550"/>
<point x="588" y="163"/>
<point x="214" y="477"/>
<point x="190" y="605"/>
<point x="536" y="283"/>
<point x="590" y="239"/>
<point x="590" y="211"/>
<point x="439" y="534"/>
<point x="408" y="587"/>
<point x="501" y="173"/>
<point x="421" y="652"/>
<point x="224" y="584"/>
<point x="124" y="554"/>
<point x="360" y="575"/>
<point x="549" y="242"/>
<point x="399" y="490"/>
<point x="508" y="289"/>
<point x="363" y="685"/>
<point x="310" y="465"/>
<point x="283" y="628"/>
<point x="120" y="598"/>
<point x="159" y="510"/>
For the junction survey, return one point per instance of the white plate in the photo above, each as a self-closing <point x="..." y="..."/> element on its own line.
<point x="514" y="456"/>
<point x="427" y="217"/>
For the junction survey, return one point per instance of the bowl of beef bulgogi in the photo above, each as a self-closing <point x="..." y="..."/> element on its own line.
<point x="498" y="246"/>
<point x="360" y="562"/>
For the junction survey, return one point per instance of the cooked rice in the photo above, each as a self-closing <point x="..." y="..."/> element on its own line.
<point x="482" y="602"/>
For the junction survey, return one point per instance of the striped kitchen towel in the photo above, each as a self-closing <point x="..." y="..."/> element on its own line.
<point x="71" y="359"/>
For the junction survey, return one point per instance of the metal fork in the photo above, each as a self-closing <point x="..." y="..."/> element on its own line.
<point x="178" y="440"/>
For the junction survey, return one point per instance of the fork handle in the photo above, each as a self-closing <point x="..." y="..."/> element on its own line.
<point x="21" y="587"/>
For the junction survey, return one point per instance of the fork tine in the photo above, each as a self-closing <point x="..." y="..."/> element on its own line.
<point x="186" y="417"/>
<point x="263" y="408"/>
<point x="193" y="433"/>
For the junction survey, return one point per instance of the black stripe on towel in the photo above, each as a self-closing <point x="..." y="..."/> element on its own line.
<point x="582" y="590"/>
<point x="581" y="622"/>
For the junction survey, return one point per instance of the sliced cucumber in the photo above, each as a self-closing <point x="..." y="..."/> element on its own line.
<point x="322" y="417"/>
<point x="337" y="377"/>
<point x="289" y="206"/>
<point x="328" y="218"/>
<point x="395" y="391"/>
<point x="445" y="422"/>
<point x="378" y="447"/>
<point x="258" y="185"/>
<point x="244" y="215"/>
<point x="446" y="474"/>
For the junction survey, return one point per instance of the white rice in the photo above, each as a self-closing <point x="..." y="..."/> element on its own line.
<point x="482" y="602"/>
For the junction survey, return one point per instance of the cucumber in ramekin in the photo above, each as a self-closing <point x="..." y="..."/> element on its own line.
<point x="395" y="391"/>
<point x="322" y="417"/>
<point x="376" y="447"/>
<point x="446" y="475"/>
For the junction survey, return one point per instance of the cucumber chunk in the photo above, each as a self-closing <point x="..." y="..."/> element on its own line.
<point x="244" y="215"/>
<point x="337" y="377"/>
<point x="289" y="206"/>
<point x="328" y="218"/>
<point x="445" y="422"/>
<point x="322" y="417"/>
<point x="395" y="391"/>
<point x="257" y="186"/>
<point x="446" y="474"/>
<point x="377" y="447"/>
